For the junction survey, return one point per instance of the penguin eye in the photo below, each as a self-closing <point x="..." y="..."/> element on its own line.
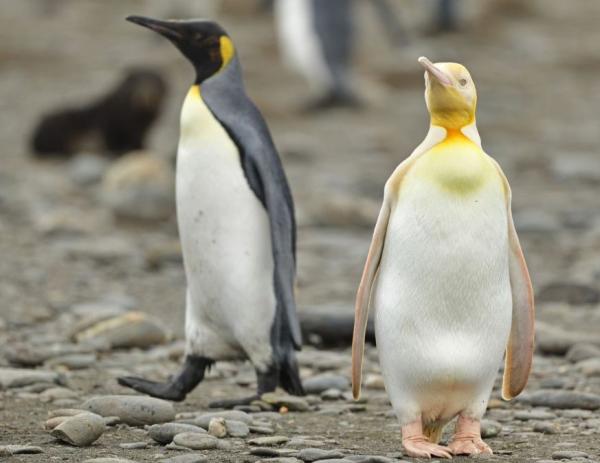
<point x="198" y="36"/>
<point x="463" y="82"/>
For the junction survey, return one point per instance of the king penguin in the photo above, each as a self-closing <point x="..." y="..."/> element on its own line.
<point x="447" y="279"/>
<point x="316" y="40"/>
<point x="236" y="222"/>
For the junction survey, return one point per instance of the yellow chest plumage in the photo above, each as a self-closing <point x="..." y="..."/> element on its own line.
<point x="456" y="165"/>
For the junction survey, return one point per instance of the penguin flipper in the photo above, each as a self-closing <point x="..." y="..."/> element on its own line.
<point x="519" y="350"/>
<point x="363" y="296"/>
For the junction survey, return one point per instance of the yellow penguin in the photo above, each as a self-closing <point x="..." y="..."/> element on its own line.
<point x="447" y="279"/>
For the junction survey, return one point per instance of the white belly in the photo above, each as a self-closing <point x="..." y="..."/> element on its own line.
<point x="226" y="244"/>
<point x="443" y="300"/>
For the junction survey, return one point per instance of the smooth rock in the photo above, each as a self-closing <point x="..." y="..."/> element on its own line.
<point x="109" y="460"/>
<point x="237" y="415"/>
<point x="140" y="186"/>
<point x="568" y="454"/>
<point x="19" y="377"/>
<point x="195" y="441"/>
<point x="589" y="367"/>
<point x="490" y="428"/>
<point x="80" y="430"/>
<point x="133" y="445"/>
<point x="87" y="169"/>
<point x="238" y="428"/>
<point x="133" y="410"/>
<point x="188" y="458"/>
<point x="216" y="427"/>
<point x="371" y="459"/>
<point x="20" y="449"/>
<point x="322" y="382"/>
<point x="268" y="441"/>
<point x="583" y="351"/>
<point x="282" y="460"/>
<point x="60" y="412"/>
<point x="314" y="454"/>
<point x="164" y="433"/>
<point x="57" y="393"/>
<point x="132" y="329"/>
<point x="292" y="403"/>
<point x="564" y="399"/>
<point x="374" y="381"/>
<point x="546" y="427"/>
<point x="527" y="415"/>
<point x="261" y="429"/>
<point x="331" y="394"/>
<point x="72" y="361"/>
<point x="577" y="166"/>
<point x="571" y="293"/>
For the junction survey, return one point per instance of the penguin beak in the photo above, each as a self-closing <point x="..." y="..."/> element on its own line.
<point x="169" y="29"/>
<point x="434" y="71"/>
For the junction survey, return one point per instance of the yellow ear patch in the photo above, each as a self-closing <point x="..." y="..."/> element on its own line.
<point x="227" y="50"/>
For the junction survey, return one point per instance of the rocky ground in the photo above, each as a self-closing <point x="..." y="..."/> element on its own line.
<point x="86" y="296"/>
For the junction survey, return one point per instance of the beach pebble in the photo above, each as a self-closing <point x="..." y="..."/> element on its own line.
<point x="133" y="410"/>
<point x="164" y="433"/>
<point x="20" y="450"/>
<point x="564" y="399"/>
<point x="292" y="403"/>
<point x="268" y="441"/>
<point x="322" y="382"/>
<point x="188" y="458"/>
<point x="568" y="454"/>
<point x="19" y="377"/>
<point x="216" y="427"/>
<point x="314" y="454"/>
<point x="490" y="428"/>
<point x="80" y="430"/>
<point x="195" y="441"/>
<point x="237" y="415"/>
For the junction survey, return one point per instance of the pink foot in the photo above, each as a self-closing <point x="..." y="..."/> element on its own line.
<point x="467" y="438"/>
<point x="417" y="445"/>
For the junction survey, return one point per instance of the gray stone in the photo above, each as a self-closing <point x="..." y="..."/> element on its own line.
<point x="314" y="454"/>
<point x="527" y="415"/>
<point x="132" y="329"/>
<point x="583" y="351"/>
<point x="164" y="433"/>
<point x="133" y="445"/>
<point x="322" y="382"/>
<point x="292" y="403"/>
<point x="133" y="410"/>
<point x="216" y="427"/>
<point x="571" y="293"/>
<point x="87" y="169"/>
<point x="331" y="394"/>
<point x="140" y="186"/>
<point x="109" y="460"/>
<point x="546" y="427"/>
<point x="282" y="460"/>
<point x="564" y="399"/>
<point x="57" y="393"/>
<point x="268" y="441"/>
<point x="80" y="430"/>
<point x="568" y="454"/>
<point x="195" y="441"/>
<point x="237" y="428"/>
<point x="272" y="452"/>
<point x="19" y="377"/>
<point x="371" y="459"/>
<point x="261" y="429"/>
<point x="237" y="415"/>
<point x="20" y="450"/>
<point x="73" y="361"/>
<point x="490" y="428"/>
<point x="188" y="458"/>
<point x="589" y="367"/>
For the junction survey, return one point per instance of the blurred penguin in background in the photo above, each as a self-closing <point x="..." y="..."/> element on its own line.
<point x="316" y="40"/>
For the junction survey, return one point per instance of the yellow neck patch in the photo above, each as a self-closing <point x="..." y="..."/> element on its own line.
<point x="456" y="165"/>
<point x="227" y="50"/>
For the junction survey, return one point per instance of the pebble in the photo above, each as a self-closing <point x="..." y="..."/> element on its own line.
<point x="571" y="293"/>
<point x="216" y="427"/>
<point x="527" y="415"/>
<point x="237" y="415"/>
<point x="87" y="169"/>
<point x="372" y="459"/>
<point x="268" y="440"/>
<point x="133" y="445"/>
<point x="374" y="381"/>
<point x="19" y="377"/>
<point x="195" y="441"/>
<point x="238" y="428"/>
<point x="188" y="458"/>
<point x="140" y="186"/>
<point x="108" y="460"/>
<point x="20" y="449"/>
<point x="331" y="394"/>
<point x="57" y="393"/>
<point x="261" y="429"/>
<point x="133" y="410"/>
<point x="80" y="430"/>
<point x="546" y="428"/>
<point x="73" y="361"/>
<point x="589" y="367"/>
<point x="292" y="403"/>
<point x="132" y="329"/>
<point x="282" y="460"/>
<point x="568" y="454"/>
<point x="314" y="454"/>
<point x="271" y="452"/>
<point x="164" y="433"/>
<point x="490" y="428"/>
<point x="583" y="351"/>
<point x="322" y="382"/>
<point x="577" y="166"/>
<point x="564" y="399"/>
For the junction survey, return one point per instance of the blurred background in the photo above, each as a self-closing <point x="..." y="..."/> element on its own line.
<point x="87" y="226"/>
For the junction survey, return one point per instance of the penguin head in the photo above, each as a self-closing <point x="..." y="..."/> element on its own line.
<point x="204" y="43"/>
<point x="450" y="94"/>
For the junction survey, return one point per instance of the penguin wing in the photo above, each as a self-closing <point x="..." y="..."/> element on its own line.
<point x="363" y="296"/>
<point x="519" y="350"/>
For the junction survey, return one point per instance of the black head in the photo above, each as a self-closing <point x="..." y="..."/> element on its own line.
<point x="204" y="43"/>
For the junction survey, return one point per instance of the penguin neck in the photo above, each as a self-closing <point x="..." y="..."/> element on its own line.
<point x="439" y="134"/>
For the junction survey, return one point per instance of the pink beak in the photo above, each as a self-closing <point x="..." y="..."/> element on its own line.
<point x="436" y="72"/>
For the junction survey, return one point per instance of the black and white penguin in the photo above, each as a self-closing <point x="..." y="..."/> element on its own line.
<point x="236" y="222"/>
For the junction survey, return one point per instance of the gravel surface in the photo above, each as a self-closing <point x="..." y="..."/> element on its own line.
<point x="87" y="295"/>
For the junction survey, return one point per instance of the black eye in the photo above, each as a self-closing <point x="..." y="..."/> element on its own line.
<point x="198" y="37"/>
<point x="463" y="82"/>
